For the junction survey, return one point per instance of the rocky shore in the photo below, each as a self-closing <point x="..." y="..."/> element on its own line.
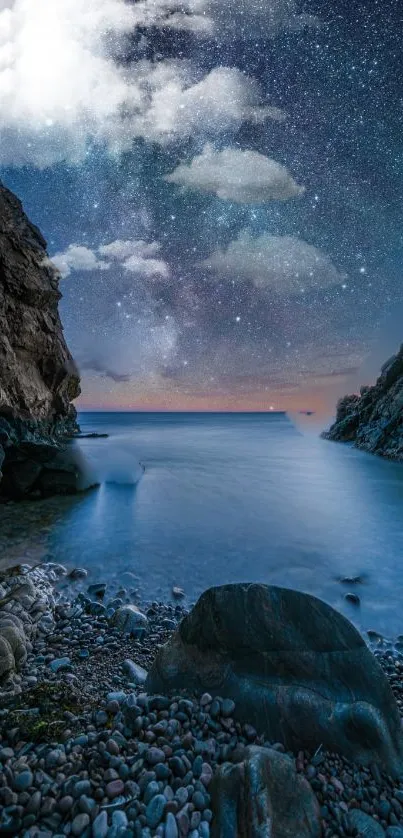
<point x="86" y="751"/>
<point x="38" y="377"/>
<point x="373" y="420"/>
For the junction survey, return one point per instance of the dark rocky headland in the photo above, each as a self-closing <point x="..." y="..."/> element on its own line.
<point x="38" y="377"/>
<point x="373" y="420"/>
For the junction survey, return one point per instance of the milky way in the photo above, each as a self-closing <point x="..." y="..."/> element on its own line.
<point x="220" y="186"/>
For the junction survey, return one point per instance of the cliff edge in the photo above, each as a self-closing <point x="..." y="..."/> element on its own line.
<point x="373" y="420"/>
<point x="38" y="377"/>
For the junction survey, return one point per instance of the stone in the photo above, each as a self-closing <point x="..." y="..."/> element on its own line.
<point x="171" y="829"/>
<point x="155" y="810"/>
<point x="135" y="672"/>
<point x="59" y="664"/>
<point x="114" y="788"/>
<point x="353" y="598"/>
<point x="263" y="795"/>
<point x="366" y="826"/>
<point x="100" y="825"/>
<point x="78" y="573"/>
<point x="80" y="823"/>
<point x="298" y="671"/>
<point x="128" y="619"/>
<point x="23" y="780"/>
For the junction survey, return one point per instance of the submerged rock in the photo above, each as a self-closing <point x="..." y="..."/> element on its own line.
<point x="263" y="796"/>
<point x="298" y="671"/>
<point x="373" y="420"/>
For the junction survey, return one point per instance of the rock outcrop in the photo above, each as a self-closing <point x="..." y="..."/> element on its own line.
<point x="26" y="607"/>
<point x="297" y="670"/>
<point x="373" y="420"/>
<point x="263" y="796"/>
<point x="38" y="377"/>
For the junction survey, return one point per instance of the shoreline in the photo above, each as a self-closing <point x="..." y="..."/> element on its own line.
<point x="72" y="766"/>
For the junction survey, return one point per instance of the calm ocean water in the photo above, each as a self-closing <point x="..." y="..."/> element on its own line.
<point x="230" y="497"/>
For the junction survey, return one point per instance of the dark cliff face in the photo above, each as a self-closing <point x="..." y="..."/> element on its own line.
<point x="38" y="377"/>
<point x="373" y="420"/>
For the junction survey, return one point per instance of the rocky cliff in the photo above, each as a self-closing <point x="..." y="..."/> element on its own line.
<point x="38" y="377"/>
<point x="373" y="420"/>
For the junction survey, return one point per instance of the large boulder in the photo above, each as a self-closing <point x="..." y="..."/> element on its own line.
<point x="297" y="670"/>
<point x="263" y="797"/>
<point x="26" y="607"/>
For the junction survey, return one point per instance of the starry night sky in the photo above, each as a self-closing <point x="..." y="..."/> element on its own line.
<point x="220" y="185"/>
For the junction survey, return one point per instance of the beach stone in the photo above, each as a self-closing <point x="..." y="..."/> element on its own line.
<point x="100" y="825"/>
<point x="136" y="673"/>
<point x="59" y="663"/>
<point x="263" y="795"/>
<point x="114" y="788"/>
<point x="23" y="780"/>
<point x="366" y="826"/>
<point x="297" y="670"/>
<point x="80" y="823"/>
<point x="128" y="619"/>
<point x="155" y="810"/>
<point x="171" y="829"/>
<point x="118" y="696"/>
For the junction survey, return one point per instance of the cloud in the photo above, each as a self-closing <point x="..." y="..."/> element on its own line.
<point x="77" y="258"/>
<point x="225" y="18"/>
<point x="234" y="175"/>
<point x="120" y="250"/>
<point x="61" y="89"/>
<point x="134" y="256"/>
<point x="275" y="264"/>
<point x="176" y="106"/>
<point x="94" y="365"/>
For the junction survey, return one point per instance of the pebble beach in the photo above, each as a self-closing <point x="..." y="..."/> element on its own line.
<point x="84" y="751"/>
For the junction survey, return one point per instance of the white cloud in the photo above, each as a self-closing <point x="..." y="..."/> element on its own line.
<point x="176" y="106"/>
<point x="147" y="267"/>
<point x="134" y="256"/>
<point x="61" y="89"/>
<point x="120" y="250"/>
<point x="275" y="264"/>
<point x="77" y="258"/>
<point x="225" y="18"/>
<point x="234" y="175"/>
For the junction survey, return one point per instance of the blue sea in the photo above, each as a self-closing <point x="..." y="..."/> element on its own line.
<point x="231" y="497"/>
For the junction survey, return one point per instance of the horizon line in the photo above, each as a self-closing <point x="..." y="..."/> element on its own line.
<point x="147" y="410"/>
